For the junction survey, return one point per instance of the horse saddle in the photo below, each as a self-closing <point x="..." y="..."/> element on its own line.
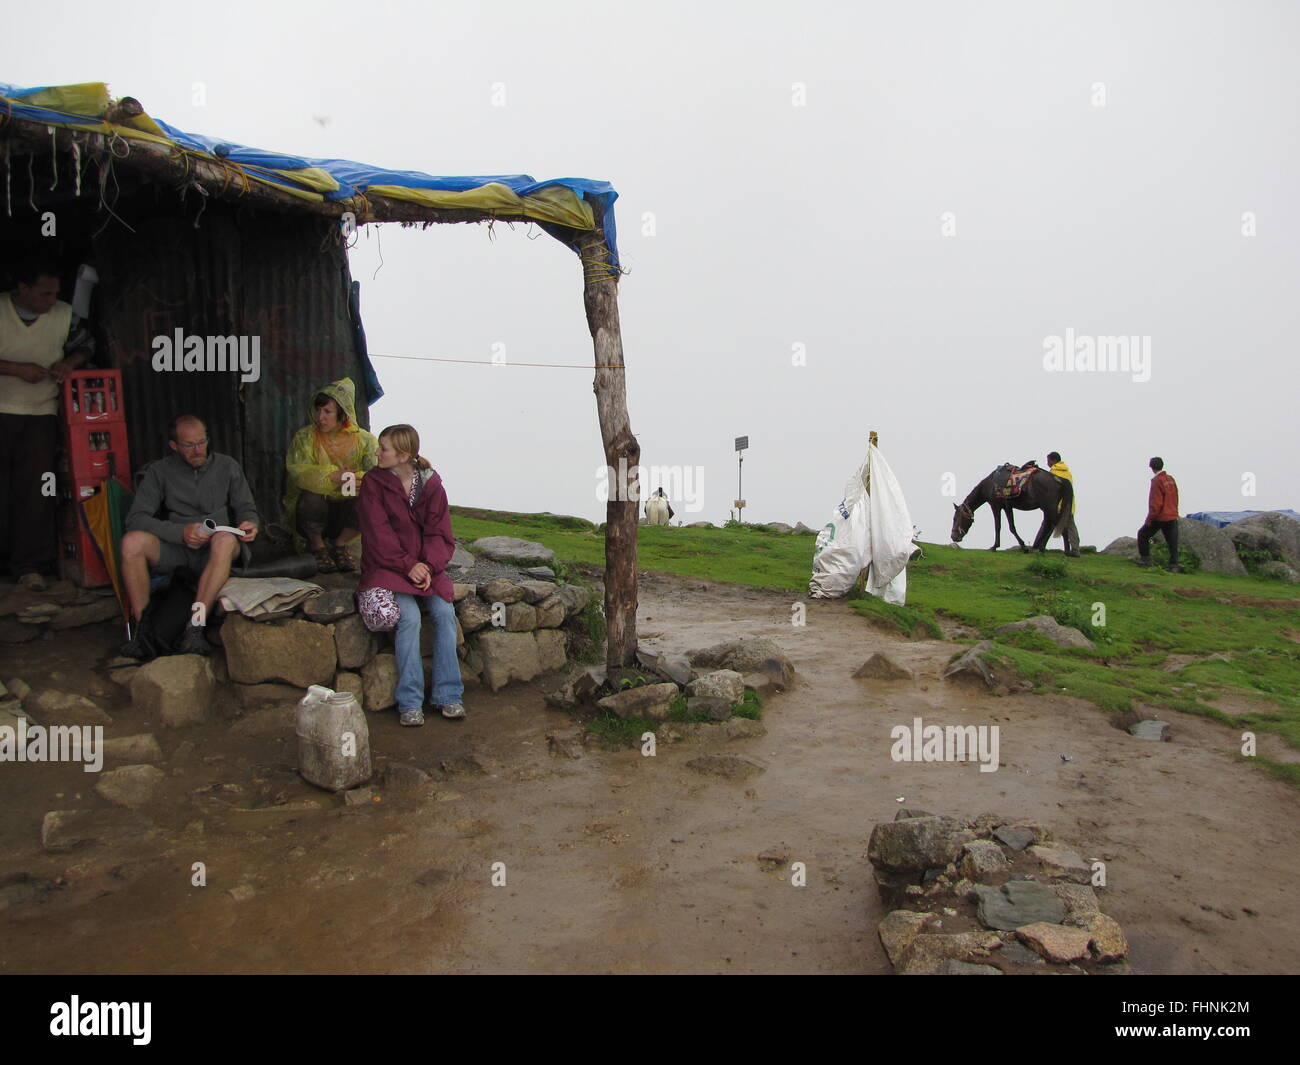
<point x="1016" y="480"/>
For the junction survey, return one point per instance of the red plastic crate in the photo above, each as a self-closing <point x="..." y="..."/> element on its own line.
<point x="98" y="451"/>
<point x="79" y="559"/>
<point x="93" y="396"/>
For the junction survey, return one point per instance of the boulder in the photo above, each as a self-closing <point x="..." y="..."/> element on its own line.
<point x="1150" y="730"/>
<point x="1211" y="545"/>
<point x="574" y="597"/>
<point x="20" y="689"/>
<point x="460" y="591"/>
<point x="134" y="749"/>
<point x="520" y="617"/>
<point x="929" y="952"/>
<point x="1123" y="546"/>
<point x="351" y="682"/>
<point x="1061" y="635"/>
<point x="1279" y="571"/>
<point x="1016" y="903"/>
<point x="1062" y="864"/>
<point x="1078" y="899"/>
<point x="536" y="591"/>
<point x="501" y="590"/>
<point x="1017" y="837"/>
<point x="917" y="843"/>
<point x="1055" y="942"/>
<point x="71" y="617"/>
<point x="53" y="707"/>
<point x="981" y="858"/>
<point x="130" y="786"/>
<point x="716" y="709"/>
<point x="473" y="614"/>
<point x="700" y="525"/>
<point x="899" y="929"/>
<point x="512" y="549"/>
<point x="461" y="559"/>
<point x="881" y="667"/>
<point x="541" y="573"/>
<point x="177" y="689"/>
<point x="298" y="652"/>
<point x="1105" y="937"/>
<point x="550" y="612"/>
<point x="1279" y="532"/>
<point x="508" y="656"/>
<point x="971" y="666"/>
<point x="379" y="683"/>
<point x="551" y="649"/>
<point x="780" y="527"/>
<point x="331" y="605"/>
<point x="651" y="700"/>
<point x="747" y="655"/>
<point x="725" y="684"/>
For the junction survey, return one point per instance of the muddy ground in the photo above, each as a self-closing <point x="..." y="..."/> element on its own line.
<point x="620" y="863"/>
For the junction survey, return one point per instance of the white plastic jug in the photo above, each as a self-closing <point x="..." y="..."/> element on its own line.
<point x="333" y="740"/>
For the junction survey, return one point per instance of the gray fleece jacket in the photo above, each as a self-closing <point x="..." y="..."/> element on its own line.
<point x="174" y="493"/>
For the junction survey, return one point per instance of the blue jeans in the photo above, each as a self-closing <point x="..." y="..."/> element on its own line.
<point x="447" y="686"/>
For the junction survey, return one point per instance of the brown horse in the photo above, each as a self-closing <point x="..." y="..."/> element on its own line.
<point x="1044" y="491"/>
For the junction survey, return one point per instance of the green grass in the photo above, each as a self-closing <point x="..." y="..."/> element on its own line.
<point x="1137" y="617"/>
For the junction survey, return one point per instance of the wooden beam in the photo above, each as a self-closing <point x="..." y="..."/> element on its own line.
<point x="622" y="452"/>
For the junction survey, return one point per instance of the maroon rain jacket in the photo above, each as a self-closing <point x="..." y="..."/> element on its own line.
<point x="395" y="536"/>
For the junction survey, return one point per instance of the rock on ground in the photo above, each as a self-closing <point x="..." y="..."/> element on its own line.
<point x="749" y="655"/>
<point x="1212" y="546"/>
<point x="131" y="786"/>
<point x="651" y="700"/>
<point x="62" y="830"/>
<point x="917" y="843"/>
<point x="54" y="707"/>
<point x="1276" y="533"/>
<point x="981" y="858"/>
<point x="1061" y="635"/>
<point x="971" y="665"/>
<point x="1063" y="864"/>
<point x="1016" y="903"/>
<point x="881" y="667"/>
<point x="508" y="656"/>
<point x="511" y="549"/>
<point x="176" y="689"/>
<point x="135" y="749"/>
<point x="725" y="684"/>
<point x="728" y="766"/>
<point x="1055" y="942"/>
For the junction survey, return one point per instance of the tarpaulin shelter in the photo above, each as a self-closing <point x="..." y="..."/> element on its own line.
<point x="203" y="234"/>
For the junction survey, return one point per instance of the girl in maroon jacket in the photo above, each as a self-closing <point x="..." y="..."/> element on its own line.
<point x="406" y="543"/>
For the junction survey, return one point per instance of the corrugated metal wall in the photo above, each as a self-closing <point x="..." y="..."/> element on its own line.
<point x="278" y="277"/>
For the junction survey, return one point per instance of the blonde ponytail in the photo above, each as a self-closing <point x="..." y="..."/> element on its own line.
<point x="406" y="441"/>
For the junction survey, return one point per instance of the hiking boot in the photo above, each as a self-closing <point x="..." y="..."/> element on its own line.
<point x="193" y="642"/>
<point x="342" y="559"/>
<point x="1142" y="562"/>
<point x="33" y="582"/>
<point x="141" y="645"/>
<point x="411" y="718"/>
<point x="454" y="712"/>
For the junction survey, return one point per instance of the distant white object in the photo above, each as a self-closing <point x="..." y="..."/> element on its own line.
<point x="657" y="510"/>
<point x="870" y="530"/>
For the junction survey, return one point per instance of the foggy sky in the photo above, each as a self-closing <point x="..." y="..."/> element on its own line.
<point x="785" y="173"/>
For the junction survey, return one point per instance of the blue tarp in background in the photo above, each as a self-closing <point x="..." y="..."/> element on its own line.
<point x="1220" y="518"/>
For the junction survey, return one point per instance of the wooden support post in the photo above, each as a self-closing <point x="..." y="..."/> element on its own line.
<point x="622" y="452"/>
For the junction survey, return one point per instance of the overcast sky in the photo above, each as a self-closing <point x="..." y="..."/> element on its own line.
<point x="915" y="198"/>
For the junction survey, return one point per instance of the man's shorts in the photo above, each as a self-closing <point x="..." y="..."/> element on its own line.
<point x="172" y="557"/>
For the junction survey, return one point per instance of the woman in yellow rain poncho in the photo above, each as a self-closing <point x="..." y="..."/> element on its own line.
<point x="326" y="463"/>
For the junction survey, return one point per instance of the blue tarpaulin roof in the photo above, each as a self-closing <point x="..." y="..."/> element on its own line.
<point x="562" y="201"/>
<point x="1221" y="518"/>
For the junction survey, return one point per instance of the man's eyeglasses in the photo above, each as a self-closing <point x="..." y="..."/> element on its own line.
<point x="191" y="447"/>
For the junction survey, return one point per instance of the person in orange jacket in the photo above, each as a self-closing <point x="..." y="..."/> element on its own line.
<point x="1162" y="516"/>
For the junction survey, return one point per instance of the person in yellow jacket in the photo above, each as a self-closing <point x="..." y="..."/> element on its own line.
<point x="1059" y="469"/>
<point x="327" y="460"/>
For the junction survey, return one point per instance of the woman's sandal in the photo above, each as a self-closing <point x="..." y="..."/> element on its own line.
<point x="324" y="561"/>
<point x="342" y="559"/>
